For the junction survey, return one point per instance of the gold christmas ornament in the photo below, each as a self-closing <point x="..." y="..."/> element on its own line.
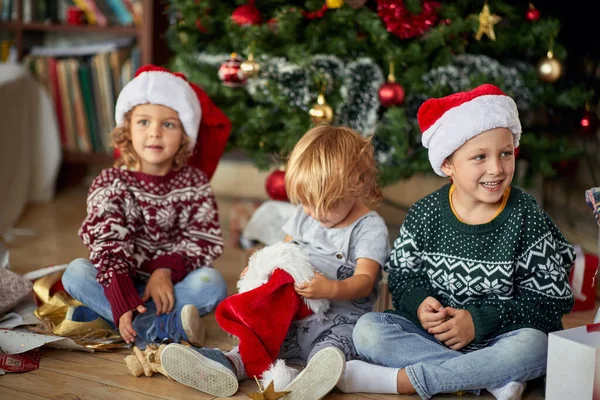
<point x="321" y="113"/>
<point x="250" y="67"/>
<point x="334" y="3"/>
<point x="549" y="69"/>
<point x="268" y="394"/>
<point x="487" y="20"/>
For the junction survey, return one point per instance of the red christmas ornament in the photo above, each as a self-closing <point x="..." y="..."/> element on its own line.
<point x="391" y="94"/>
<point x="400" y="22"/>
<point x="199" y="25"/>
<point x="230" y="72"/>
<point x="532" y="14"/>
<point x="275" y="185"/>
<point x="247" y="14"/>
<point x="316" y="14"/>
<point x="588" y="123"/>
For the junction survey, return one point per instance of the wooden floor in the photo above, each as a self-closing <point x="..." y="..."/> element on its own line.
<point x="77" y="375"/>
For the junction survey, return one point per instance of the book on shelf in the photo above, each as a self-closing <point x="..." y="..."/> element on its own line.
<point x="84" y="89"/>
<point x="96" y="12"/>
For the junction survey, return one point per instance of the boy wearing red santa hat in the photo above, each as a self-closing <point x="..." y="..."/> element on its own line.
<point x="479" y="274"/>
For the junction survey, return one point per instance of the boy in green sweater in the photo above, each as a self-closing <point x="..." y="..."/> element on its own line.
<point x="479" y="273"/>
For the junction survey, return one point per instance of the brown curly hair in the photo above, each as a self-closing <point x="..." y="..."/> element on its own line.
<point x="120" y="138"/>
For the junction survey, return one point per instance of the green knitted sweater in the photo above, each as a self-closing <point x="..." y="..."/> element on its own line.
<point x="510" y="273"/>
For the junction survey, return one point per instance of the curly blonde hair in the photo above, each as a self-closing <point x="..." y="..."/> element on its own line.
<point x="329" y="164"/>
<point x="120" y="138"/>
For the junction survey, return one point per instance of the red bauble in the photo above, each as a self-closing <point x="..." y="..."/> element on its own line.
<point x="588" y="123"/>
<point x="230" y="72"/>
<point x="199" y="25"/>
<point x="247" y="14"/>
<point x="391" y="94"/>
<point x="400" y="22"/>
<point x="532" y="14"/>
<point x="275" y="186"/>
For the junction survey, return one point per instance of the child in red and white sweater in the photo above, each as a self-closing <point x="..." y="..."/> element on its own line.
<point x="152" y="224"/>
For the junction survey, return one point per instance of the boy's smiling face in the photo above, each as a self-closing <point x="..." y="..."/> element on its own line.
<point x="482" y="168"/>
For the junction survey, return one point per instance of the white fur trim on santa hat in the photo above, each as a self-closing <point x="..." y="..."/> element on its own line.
<point x="165" y="89"/>
<point x="288" y="257"/>
<point x="461" y="123"/>
<point x="280" y="374"/>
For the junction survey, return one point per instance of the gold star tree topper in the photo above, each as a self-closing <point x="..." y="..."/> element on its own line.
<point x="487" y="20"/>
<point x="268" y="394"/>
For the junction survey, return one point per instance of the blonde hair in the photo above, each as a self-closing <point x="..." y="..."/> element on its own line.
<point x="120" y="138"/>
<point x="329" y="164"/>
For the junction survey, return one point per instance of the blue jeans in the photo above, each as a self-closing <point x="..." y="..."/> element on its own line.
<point x="204" y="288"/>
<point x="394" y="341"/>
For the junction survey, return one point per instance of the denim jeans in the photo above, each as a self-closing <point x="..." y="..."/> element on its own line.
<point x="394" y="341"/>
<point x="204" y="288"/>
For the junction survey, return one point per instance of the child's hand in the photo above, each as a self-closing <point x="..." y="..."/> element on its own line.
<point x="160" y="288"/>
<point x="244" y="272"/>
<point x="318" y="287"/>
<point x="431" y="313"/>
<point x="458" y="331"/>
<point x="125" y="327"/>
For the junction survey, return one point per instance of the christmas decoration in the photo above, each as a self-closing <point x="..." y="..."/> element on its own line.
<point x="250" y="67"/>
<point x="549" y="69"/>
<point x="247" y="14"/>
<point x="400" y="22"/>
<point x="356" y="3"/>
<point x="270" y="280"/>
<point x="268" y="394"/>
<point x="199" y="25"/>
<point x="360" y="92"/>
<point x="348" y="47"/>
<point x="588" y="123"/>
<point x="275" y="185"/>
<point x="334" y="3"/>
<point x="316" y="14"/>
<point x="532" y="14"/>
<point x="487" y="20"/>
<point x="391" y="93"/>
<point x="321" y="112"/>
<point x="231" y="73"/>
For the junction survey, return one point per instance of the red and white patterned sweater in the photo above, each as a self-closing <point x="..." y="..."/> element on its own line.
<point x="138" y="223"/>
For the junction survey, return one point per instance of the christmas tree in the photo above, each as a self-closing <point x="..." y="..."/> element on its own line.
<point x="278" y="67"/>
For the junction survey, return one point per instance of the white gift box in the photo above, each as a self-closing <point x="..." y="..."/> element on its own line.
<point x="574" y="364"/>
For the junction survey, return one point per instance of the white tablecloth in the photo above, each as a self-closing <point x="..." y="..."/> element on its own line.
<point x="30" y="154"/>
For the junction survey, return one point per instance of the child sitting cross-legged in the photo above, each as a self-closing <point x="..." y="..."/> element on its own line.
<point x="478" y="274"/>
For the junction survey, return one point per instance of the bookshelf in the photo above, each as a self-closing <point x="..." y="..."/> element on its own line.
<point x="149" y="34"/>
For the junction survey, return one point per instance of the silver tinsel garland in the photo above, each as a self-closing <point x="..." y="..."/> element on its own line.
<point x="359" y="85"/>
<point x="459" y="74"/>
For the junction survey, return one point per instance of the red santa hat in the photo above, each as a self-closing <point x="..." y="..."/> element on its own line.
<point x="203" y="122"/>
<point x="261" y="314"/>
<point x="448" y="122"/>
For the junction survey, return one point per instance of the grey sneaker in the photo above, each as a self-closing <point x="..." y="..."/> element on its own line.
<point x="191" y="368"/>
<point x="319" y="377"/>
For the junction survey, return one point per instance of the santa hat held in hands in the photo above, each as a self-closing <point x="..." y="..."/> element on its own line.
<point x="263" y="311"/>
<point x="448" y="122"/>
<point x="203" y="122"/>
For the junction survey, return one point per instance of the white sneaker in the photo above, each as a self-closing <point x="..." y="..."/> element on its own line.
<point x="511" y="391"/>
<point x="193" y="325"/>
<point x="191" y="368"/>
<point x="319" y="377"/>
